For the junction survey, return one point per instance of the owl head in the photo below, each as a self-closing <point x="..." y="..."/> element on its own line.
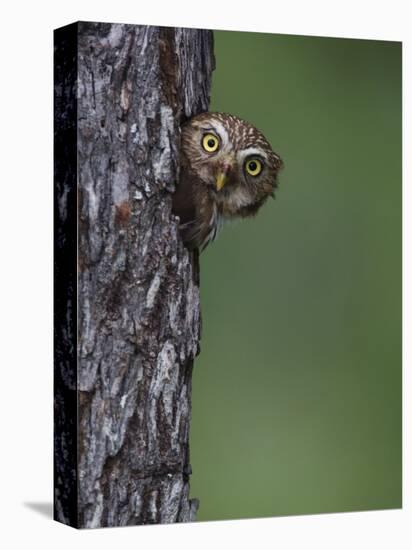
<point x="233" y="160"/>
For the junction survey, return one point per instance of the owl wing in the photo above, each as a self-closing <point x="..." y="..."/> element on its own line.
<point x="183" y="203"/>
<point x="197" y="213"/>
<point x="184" y="206"/>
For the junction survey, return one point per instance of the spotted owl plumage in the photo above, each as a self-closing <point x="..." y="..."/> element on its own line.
<point x="228" y="170"/>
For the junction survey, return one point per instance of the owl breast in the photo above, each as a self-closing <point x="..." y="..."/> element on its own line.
<point x="214" y="225"/>
<point x="202" y="227"/>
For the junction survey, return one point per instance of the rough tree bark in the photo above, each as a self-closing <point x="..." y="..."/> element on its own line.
<point x="128" y="315"/>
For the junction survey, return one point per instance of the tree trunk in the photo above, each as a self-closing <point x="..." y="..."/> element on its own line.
<point x="128" y="314"/>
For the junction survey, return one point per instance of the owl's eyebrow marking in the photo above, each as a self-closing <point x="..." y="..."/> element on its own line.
<point x="253" y="151"/>
<point x="211" y="129"/>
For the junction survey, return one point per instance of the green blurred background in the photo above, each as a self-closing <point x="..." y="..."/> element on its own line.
<point x="297" y="390"/>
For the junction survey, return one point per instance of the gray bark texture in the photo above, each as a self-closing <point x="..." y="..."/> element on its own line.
<point x="138" y="309"/>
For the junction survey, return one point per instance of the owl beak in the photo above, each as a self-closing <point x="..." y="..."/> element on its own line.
<point x="221" y="180"/>
<point x="222" y="175"/>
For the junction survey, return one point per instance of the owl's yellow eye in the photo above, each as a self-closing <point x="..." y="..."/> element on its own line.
<point x="253" y="167"/>
<point x="210" y="143"/>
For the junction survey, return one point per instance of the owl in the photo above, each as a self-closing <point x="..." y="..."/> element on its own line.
<point x="228" y="170"/>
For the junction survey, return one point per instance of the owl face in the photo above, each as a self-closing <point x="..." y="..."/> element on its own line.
<point x="233" y="160"/>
